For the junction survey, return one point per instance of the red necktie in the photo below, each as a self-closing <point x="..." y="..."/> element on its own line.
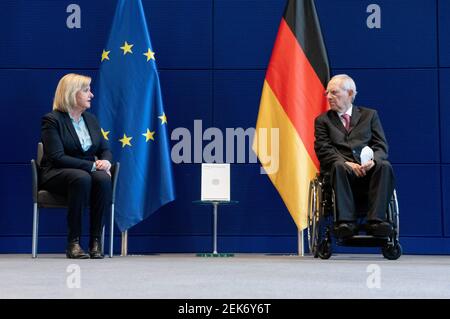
<point x="346" y="118"/>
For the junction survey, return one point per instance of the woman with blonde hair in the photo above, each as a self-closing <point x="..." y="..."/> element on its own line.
<point x="77" y="161"/>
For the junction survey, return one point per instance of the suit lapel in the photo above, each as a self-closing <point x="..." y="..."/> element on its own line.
<point x="69" y="125"/>
<point x="89" y="125"/>
<point x="356" y="115"/>
<point x="337" y="121"/>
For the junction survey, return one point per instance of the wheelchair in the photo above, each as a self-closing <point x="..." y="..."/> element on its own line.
<point x="322" y="219"/>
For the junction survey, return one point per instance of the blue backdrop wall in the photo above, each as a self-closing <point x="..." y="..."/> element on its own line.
<point x="212" y="56"/>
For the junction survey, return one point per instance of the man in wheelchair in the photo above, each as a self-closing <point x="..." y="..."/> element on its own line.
<point x="351" y="146"/>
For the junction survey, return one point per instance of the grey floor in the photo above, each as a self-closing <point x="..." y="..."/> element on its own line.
<point x="242" y="276"/>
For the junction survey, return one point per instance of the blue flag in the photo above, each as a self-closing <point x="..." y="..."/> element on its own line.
<point x="132" y="118"/>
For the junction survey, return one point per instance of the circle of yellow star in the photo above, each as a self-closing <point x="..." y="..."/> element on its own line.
<point x="127" y="48"/>
<point x="125" y="140"/>
<point x="105" y="134"/>
<point x="150" y="55"/>
<point x="163" y="118"/>
<point x="149" y="135"/>
<point x="105" y="55"/>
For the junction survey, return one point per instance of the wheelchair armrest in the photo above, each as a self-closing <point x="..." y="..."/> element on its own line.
<point x="114" y="175"/>
<point x="34" y="180"/>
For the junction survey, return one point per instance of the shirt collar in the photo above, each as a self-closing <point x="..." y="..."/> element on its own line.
<point x="74" y="121"/>
<point x="349" y="111"/>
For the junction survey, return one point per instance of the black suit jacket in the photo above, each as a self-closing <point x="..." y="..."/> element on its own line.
<point x="62" y="147"/>
<point x="334" y="144"/>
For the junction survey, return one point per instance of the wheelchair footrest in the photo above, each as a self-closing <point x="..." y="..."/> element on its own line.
<point x="363" y="241"/>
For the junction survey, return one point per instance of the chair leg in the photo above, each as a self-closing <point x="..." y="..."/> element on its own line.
<point x="35" y="230"/>
<point x="103" y="239"/>
<point x="111" y="232"/>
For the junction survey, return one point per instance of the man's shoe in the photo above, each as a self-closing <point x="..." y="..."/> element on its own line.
<point x="95" y="249"/>
<point x="345" y="230"/>
<point x="74" y="250"/>
<point x="379" y="229"/>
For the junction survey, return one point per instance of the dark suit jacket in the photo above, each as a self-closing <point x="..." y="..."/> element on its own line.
<point x="334" y="144"/>
<point x="62" y="147"/>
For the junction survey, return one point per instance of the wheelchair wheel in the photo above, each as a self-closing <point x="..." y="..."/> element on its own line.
<point x="313" y="218"/>
<point x="394" y="213"/>
<point x="324" y="249"/>
<point x="392" y="252"/>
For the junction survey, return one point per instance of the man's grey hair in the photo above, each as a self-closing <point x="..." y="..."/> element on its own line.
<point x="346" y="83"/>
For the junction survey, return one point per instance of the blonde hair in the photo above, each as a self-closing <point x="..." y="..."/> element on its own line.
<point x="65" y="94"/>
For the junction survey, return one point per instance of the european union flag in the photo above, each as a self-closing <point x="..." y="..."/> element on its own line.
<point x="131" y="114"/>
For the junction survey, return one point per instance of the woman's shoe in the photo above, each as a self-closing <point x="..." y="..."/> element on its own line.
<point x="74" y="250"/>
<point x="95" y="249"/>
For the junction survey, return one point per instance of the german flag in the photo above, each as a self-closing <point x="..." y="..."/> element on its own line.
<point x="292" y="97"/>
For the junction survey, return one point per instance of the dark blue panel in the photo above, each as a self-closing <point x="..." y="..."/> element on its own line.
<point x="236" y="97"/>
<point x="204" y="244"/>
<point x="244" y="32"/>
<point x="446" y="198"/>
<point x="35" y="33"/>
<point x="187" y="97"/>
<point x="426" y="246"/>
<point x="30" y="96"/>
<point x="260" y="210"/>
<point x="444" y="32"/>
<point x="407" y="102"/>
<point x="419" y="197"/>
<point x="236" y="103"/>
<point x="407" y="37"/>
<point x="16" y="204"/>
<point x="181" y="32"/>
<point x="444" y="82"/>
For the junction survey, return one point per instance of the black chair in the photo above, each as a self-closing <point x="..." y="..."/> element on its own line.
<point x="46" y="199"/>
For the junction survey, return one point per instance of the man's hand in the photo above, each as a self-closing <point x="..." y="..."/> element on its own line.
<point x="368" y="165"/>
<point x="357" y="169"/>
<point x="102" y="165"/>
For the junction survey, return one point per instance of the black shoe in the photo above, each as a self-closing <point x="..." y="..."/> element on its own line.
<point x="379" y="229"/>
<point x="345" y="230"/>
<point x="95" y="249"/>
<point x="74" y="250"/>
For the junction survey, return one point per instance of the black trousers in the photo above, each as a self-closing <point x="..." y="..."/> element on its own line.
<point x="376" y="188"/>
<point x="83" y="189"/>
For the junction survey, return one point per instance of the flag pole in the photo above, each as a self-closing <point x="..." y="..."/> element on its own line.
<point x="124" y="251"/>
<point x="301" y="248"/>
